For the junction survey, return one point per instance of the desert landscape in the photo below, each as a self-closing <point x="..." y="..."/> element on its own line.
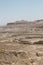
<point x="21" y="43"/>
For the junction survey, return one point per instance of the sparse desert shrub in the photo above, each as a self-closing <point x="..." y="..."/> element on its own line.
<point x="24" y="41"/>
<point x="39" y="42"/>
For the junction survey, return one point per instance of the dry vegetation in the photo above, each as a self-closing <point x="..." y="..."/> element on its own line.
<point x="21" y="44"/>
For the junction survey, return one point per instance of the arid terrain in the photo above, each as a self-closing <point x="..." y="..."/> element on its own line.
<point x="21" y="43"/>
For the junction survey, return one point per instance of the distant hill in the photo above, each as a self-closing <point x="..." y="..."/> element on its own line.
<point x="36" y="23"/>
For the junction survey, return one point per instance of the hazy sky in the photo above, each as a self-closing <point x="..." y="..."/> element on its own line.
<point x="12" y="10"/>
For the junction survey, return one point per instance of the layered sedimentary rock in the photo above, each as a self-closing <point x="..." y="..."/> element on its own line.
<point x="21" y="43"/>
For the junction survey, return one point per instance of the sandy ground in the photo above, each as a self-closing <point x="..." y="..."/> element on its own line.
<point x="21" y="45"/>
<point x="19" y="51"/>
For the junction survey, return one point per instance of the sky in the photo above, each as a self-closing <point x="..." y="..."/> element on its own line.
<point x="12" y="10"/>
